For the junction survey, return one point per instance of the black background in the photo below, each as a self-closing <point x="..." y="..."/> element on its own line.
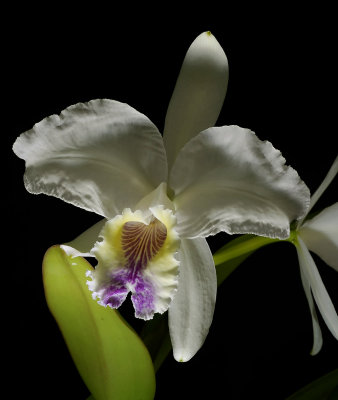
<point x="282" y="86"/>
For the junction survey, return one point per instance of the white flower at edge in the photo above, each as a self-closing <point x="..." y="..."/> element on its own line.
<point x="320" y="235"/>
<point x="161" y="197"/>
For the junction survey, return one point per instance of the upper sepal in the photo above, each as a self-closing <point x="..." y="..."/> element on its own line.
<point x="198" y="95"/>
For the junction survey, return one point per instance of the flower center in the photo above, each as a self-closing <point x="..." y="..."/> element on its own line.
<point x="137" y="254"/>
<point x="141" y="242"/>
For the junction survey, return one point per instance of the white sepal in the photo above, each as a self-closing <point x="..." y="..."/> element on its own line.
<point x="82" y="244"/>
<point x="317" y="333"/>
<point x="198" y="95"/>
<point x="320" y="234"/>
<point x="318" y="290"/>
<point x="323" y="186"/>
<point x="191" y="312"/>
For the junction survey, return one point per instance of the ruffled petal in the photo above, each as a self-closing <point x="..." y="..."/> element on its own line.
<point x="320" y="234"/>
<point x="102" y="156"/>
<point x="317" y="333"/>
<point x="226" y="179"/>
<point x="191" y="312"/>
<point x="319" y="292"/>
<point x="198" y="95"/>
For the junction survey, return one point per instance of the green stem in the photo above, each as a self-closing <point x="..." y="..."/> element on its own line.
<point x="231" y="251"/>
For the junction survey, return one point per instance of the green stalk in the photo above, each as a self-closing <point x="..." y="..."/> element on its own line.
<point x="245" y="245"/>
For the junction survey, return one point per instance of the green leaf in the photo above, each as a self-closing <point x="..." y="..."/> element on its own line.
<point x="324" y="388"/>
<point x="110" y="357"/>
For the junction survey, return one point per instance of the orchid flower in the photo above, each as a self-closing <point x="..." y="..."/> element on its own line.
<point x="320" y="235"/>
<point x="162" y="196"/>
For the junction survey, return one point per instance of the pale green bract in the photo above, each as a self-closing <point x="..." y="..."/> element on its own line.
<point x="160" y="197"/>
<point x="107" y="352"/>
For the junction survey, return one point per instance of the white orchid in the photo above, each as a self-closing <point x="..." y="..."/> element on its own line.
<point x="160" y="198"/>
<point x="320" y="235"/>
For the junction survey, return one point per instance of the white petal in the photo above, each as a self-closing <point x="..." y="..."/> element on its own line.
<point x="102" y="156"/>
<point x="226" y="179"/>
<point x="320" y="234"/>
<point x="198" y="95"/>
<point x="319" y="292"/>
<point x="191" y="312"/>
<point x="323" y="186"/>
<point x="82" y="244"/>
<point x="317" y="333"/>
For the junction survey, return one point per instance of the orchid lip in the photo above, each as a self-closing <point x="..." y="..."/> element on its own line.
<point x="137" y="255"/>
<point x="141" y="242"/>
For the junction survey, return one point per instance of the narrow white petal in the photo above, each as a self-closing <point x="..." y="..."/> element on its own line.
<point x="317" y="333"/>
<point x="319" y="292"/>
<point x="323" y="186"/>
<point x="102" y="156"/>
<point x="320" y="234"/>
<point x="198" y="95"/>
<point x="191" y="312"/>
<point x="82" y="244"/>
<point x="226" y="179"/>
